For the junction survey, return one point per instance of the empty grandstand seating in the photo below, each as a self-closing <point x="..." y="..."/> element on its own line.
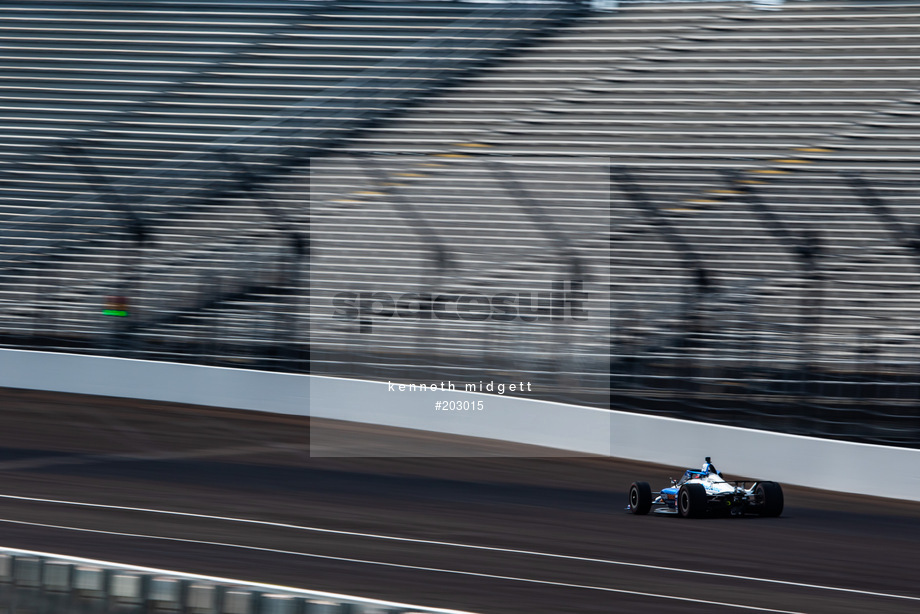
<point x="496" y="183"/>
<point x="153" y="97"/>
<point x="681" y="92"/>
<point x="133" y="89"/>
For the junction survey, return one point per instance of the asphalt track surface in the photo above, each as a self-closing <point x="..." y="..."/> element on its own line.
<point x="237" y="495"/>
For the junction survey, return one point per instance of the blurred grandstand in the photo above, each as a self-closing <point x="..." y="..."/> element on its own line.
<point x="741" y="182"/>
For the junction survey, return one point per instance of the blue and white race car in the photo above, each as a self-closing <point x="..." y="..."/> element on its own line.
<point x="704" y="492"/>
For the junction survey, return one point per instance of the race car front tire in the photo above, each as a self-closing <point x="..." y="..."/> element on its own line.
<point x="691" y="501"/>
<point x="769" y="497"/>
<point x="640" y="498"/>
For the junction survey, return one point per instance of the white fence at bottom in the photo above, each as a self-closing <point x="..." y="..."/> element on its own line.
<point x="43" y="583"/>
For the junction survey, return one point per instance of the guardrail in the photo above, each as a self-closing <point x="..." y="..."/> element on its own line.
<point x="44" y="583"/>
<point x="883" y="471"/>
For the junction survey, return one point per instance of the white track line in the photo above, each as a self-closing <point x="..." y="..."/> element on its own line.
<point x="400" y="566"/>
<point x="465" y="546"/>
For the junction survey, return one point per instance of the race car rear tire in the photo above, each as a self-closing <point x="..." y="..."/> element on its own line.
<point x="640" y="498"/>
<point x="691" y="501"/>
<point x="769" y="497"/>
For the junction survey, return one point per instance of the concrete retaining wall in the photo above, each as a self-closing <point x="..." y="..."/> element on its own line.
<point x="155" y="381"/>
<point x="805" y="461"/>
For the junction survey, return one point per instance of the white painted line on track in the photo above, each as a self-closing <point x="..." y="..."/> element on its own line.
<point x="429" y="542"/>
<point x="401" y="566"/>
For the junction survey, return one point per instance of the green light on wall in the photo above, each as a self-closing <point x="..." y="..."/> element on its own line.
<point x="115" y="312"/>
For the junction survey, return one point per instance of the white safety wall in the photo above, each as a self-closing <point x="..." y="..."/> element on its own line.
<point x="835" y="465"/>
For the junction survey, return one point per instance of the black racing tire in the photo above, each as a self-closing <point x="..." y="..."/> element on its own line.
<point x="769" y="498"/>
<point x="691" y="501"/>
<point x="640" y="498"/>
